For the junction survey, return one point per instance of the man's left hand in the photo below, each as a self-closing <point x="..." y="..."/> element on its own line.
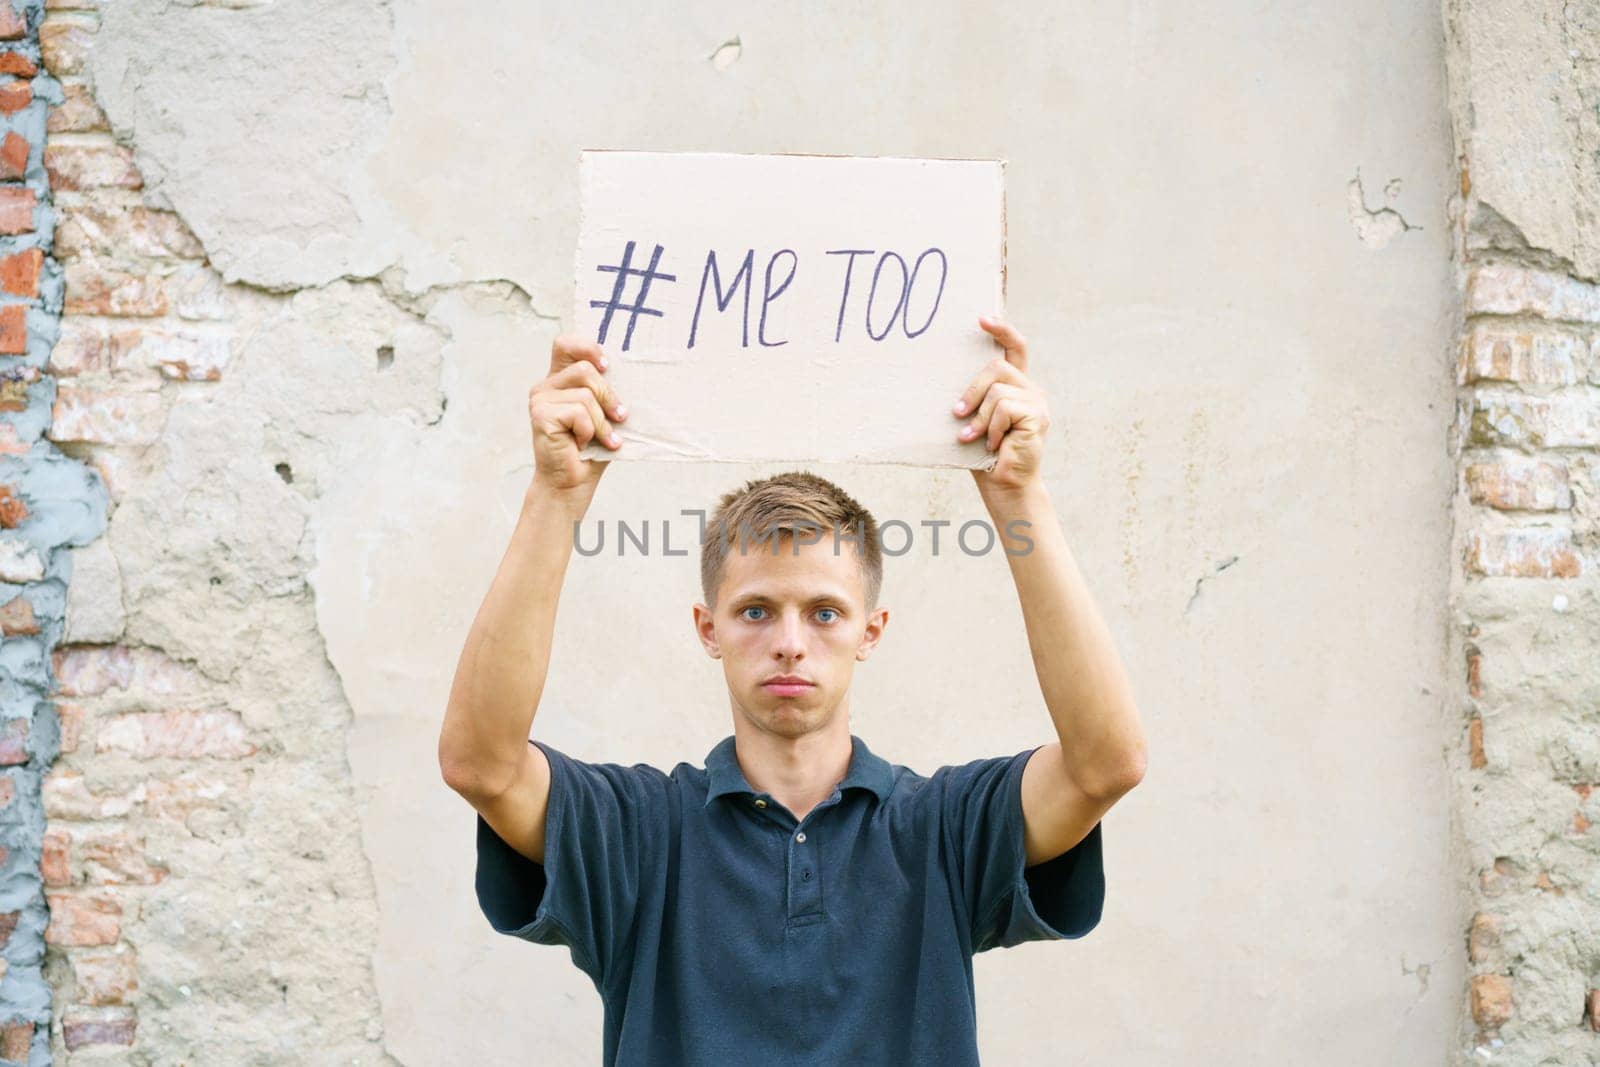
<point x="1005" y="409"/>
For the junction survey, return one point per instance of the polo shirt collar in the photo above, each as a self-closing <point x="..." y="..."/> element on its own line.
<point x="867" y="771"/>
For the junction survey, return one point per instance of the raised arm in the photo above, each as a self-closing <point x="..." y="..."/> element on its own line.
<point x="484" y="753"/>
<point x="1100" y="752"/>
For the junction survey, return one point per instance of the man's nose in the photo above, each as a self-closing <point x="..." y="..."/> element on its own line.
<point x="791" y="637"/>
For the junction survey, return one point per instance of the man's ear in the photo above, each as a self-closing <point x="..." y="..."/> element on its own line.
<point x="876" y="622"/>
<point x="705" y="628"/>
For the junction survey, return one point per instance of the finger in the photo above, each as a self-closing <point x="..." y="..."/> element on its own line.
<point x="584" y="375"/>
<point x="996" y="370"/>
<point x="1006" y="415"/>
<point x="575" y="411"/>
<point x="980" y="422"/>
<point x="582" y="424"/>
<point x="571" y="348"/>
<point x="1015" y="346"/>
<point x="600" y="428"/>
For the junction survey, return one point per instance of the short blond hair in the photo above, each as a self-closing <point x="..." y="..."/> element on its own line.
<point x="791" y="503"/>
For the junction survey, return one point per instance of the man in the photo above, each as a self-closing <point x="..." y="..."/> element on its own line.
<point x="800" y="899"/>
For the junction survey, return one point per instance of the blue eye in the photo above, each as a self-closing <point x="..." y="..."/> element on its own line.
<point x="751" y="608"/>
<point x="830" y="611"/>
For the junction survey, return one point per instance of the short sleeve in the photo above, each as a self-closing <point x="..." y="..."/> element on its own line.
<point x="1007" y="902"/>
<point x="585" y="894"/>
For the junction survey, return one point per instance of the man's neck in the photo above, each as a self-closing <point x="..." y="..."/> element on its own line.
<point x="798" y="772"/>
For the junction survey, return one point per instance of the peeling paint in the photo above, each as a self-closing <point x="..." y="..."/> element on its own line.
<point x="1375" y="228"/>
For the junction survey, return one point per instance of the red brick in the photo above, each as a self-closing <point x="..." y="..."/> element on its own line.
<point x="71" y="716"/>
<point x="18" y="64"/>
<point x="77" y="167"/>
<point x="109" y="230"/>
<point x="16" y="617"/>
<point x="14" y="156"/>
<point x="77" y="113"/>
<point x="1555" y="421"/>
<point x="12" y="509"/>
<point x="67" y="796"/>
<point x="15" y="385"/>
<point x="181" y="733"/>
<point x="116" y="857"/>
<point x="178" y="798"/>
<point x="96" y="290"/>
<point x="19" y="273"/>
<point x="1478" y="758"/>
<point x="1496" y="289"/>
<point x="187" y="356"/>
<point x="16" y="209"/>
<point x="98" y="856"/>
<point x="90" y="670"/>
<point x="105" y="977"/>
<point x="1523" y="552"/>
<point x="102" y="416"/>
<point x="8" y="791"/>
<point x="1495" y="351"/>
<point x="55" y="858"/>
<point x="1474" y="672"/>
<point x="15" y="95"/>
<point x="64" y="46"/>
<point x="1516" y="483"/>
<point x="1492" y="1003"/>
<point x="1484" y="937"/>
<point x="13" y="330"/>
<point x="81" y="1029"/>
<point x="13" y="742"/>
<point x="81" y="349"/>
<point x="12" y="25"/>
<point x="83" y="919"/>
<point x="8" y="925"/>
<point x="1594" y="1009"/>
<point x="16" y="1038"/>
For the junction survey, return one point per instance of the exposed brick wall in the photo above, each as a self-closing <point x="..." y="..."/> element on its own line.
<point x="49" y="503"/>
<point x="140" y="308"/>
<point x="1529" y="362"/>
<point x="99" y="853"/>
<point x="1527" y="592"/>
<point x="199" y="889"/>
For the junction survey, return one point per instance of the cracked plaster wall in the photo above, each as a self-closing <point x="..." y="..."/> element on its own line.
<point x="1250" y="393"/>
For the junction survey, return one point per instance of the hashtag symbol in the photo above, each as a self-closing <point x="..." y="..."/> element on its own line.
<point x="624" y="271"/>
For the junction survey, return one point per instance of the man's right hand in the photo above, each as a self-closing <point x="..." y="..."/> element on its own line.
<point x="571" y="406"/>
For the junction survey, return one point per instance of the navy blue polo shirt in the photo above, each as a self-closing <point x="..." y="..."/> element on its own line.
<point x="718" y="929"/>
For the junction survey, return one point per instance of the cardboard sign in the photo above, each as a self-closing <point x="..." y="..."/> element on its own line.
<point x="790" y="308"/>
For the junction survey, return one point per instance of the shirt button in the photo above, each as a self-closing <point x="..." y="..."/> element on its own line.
<point x="800" y="837"/>
<point x="760" y="803"/>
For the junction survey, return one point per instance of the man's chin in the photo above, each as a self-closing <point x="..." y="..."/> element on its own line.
<point x="789" y="717"/>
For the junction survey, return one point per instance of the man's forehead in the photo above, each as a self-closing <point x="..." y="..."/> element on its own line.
<point x="816" y="571"/>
